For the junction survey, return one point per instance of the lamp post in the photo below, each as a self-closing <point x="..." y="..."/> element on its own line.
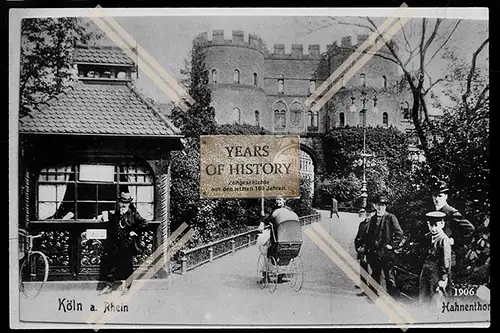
<point x="353" y="108"/>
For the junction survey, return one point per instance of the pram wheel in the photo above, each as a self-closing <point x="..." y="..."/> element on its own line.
<point x="261" y="269"/>
<point x="272" y="274"/>
<point x="296" y="274"/>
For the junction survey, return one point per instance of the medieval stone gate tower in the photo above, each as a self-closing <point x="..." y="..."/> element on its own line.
<point x="253" y="85"/>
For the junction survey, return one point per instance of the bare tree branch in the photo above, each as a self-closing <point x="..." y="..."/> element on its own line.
<point x="481" y="97"/>
<point x="472" y="70"/>
<point x="354" y="24"/>
<point x="426" y="91"/>
<point x="408" y="48"/>
<point x="444" y="43"/>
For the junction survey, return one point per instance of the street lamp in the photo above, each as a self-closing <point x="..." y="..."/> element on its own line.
<point x="353" y="108"/>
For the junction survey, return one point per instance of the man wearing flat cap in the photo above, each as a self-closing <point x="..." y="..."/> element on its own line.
<point x="435" y="271"/>
<point x="382" y="238"/>
<point x="124" y="228"/>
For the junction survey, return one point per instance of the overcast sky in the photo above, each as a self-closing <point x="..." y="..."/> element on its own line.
<point x="169" y="38"/>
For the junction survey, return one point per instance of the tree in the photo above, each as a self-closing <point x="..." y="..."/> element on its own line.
<point x="46" y="57"/>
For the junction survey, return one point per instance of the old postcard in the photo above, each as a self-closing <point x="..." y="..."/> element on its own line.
<point x="249" y="167"/>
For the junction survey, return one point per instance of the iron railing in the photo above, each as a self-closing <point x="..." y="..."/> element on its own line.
<point x="195" y="257"/>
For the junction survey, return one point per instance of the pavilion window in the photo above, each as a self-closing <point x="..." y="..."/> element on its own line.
<point x="85" y="191"/>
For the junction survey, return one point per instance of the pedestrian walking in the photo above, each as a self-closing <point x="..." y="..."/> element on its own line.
<point x="334" y="208"/>
<point x="383" y="236"/>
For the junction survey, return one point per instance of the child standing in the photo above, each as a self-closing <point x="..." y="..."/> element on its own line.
<point x="436" y="268"/>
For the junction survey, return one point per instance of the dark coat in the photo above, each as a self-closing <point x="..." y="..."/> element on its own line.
<point x="389" y="232"/>
<point x="457" y="226"/>
<point x="118" y="256"/>
<point x="361" y="235"/>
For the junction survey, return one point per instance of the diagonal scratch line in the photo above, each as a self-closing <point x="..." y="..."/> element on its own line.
<point x="127" y="49"/>
<point x="355" y="265"/>
<point x="363" y="60"/>
<point x="401" y="10"/>
<point x="152" y="257"/>
<point x="342" y="265"/>
<point x="143" y="53"/>
<point x="140" y="283"/>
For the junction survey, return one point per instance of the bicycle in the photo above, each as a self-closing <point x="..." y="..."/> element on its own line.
<point x="34" y="270"/>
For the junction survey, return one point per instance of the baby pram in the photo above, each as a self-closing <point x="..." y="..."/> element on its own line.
<point x="283" y="260"/>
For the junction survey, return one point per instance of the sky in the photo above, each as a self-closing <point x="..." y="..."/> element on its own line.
<point x="168" y="39"/>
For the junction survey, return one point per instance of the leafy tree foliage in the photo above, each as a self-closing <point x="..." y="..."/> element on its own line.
<point x="46" y="57"/>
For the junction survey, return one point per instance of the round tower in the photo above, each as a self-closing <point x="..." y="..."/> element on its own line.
<point x="373" y="87"/>
<point x="236" y="79"/>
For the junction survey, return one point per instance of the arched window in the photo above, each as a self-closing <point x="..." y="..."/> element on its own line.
<point x="255" y="79"/>
<point x="312" y="119"/>
<point x="385" y="119"/>
<point x="406" y="110"/>
<point x="236" y="116"/>
<point x="214" y="76"/>
<point x="341" y="119"/>
<point x="280" y="116"/>
<point x="296" y="114"/>
<point x="384" y="82"/>
<point x="362" y="118"/>
<point x="312" y="86"/>
<point x="363" y="79"/>
<point x="257" y="118"/>
<point x="236" y="76"/>
<point x="281" y="84"/>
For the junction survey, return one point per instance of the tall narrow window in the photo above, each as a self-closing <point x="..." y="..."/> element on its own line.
<point x="384" y="82"/>
<point x="362" y="118"/>
<point x="406" y="110"/>
<point x="315" y="121"/>
<point x="312" y="86"/>
<point x="280" y="115"/>
<point x="214" y="76"/>
<point x="257" y="118"/>
<point x="385" y="119"/>
<point x="341" y="119"/>
<point x="363" y="80"/>
<point x="236" y="116"/>
<point x="255" y="79"/>
<point x="281" y="84"/>
<point x="236" y="76"/>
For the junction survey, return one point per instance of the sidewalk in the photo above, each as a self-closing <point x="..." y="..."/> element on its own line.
<point x="225" y="292"/>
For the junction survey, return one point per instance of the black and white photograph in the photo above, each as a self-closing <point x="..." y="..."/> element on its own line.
<point x="249" y="167"/>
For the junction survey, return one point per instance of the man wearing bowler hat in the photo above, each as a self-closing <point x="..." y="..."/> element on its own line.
<point x="360" y="243"/>
<point x="382" y="238"/>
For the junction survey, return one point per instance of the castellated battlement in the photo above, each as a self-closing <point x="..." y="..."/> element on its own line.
<point x="347" y="42"/>
<point x="237" y="39"/>
<point x="296" y="52"/>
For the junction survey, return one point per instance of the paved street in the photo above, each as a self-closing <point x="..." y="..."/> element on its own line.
<point x="225" y="292"/>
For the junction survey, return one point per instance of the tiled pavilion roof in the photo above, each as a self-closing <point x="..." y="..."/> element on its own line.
<point x="98" y="109"/>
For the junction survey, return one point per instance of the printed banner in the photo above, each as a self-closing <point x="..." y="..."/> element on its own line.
<point x="249" y="166"/>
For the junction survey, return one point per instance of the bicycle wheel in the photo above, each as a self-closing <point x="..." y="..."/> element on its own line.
<point x="34" y="273"/>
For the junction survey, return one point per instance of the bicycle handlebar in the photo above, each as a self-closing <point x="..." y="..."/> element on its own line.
<point x="27" y="235"/>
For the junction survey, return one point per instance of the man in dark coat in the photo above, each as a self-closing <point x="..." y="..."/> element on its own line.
<point x="457" y="227"/>
<point x="360" y="245"/>
<point x="123" y="232"/>
<point x="383" y="237"/>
